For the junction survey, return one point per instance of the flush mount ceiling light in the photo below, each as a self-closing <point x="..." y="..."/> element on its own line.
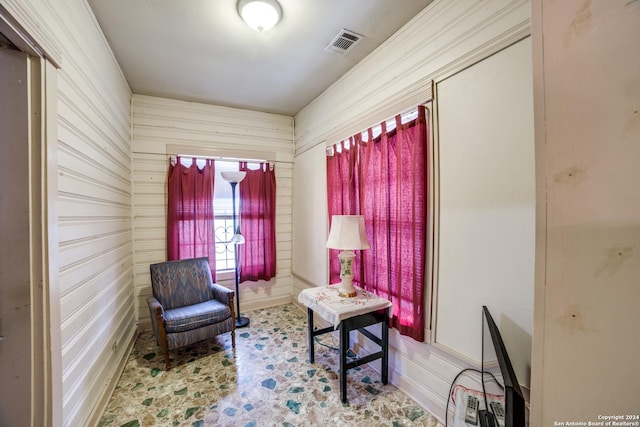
<point x="261" y="15"/>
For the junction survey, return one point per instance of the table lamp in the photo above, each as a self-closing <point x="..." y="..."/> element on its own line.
<point x="348" y="234"/>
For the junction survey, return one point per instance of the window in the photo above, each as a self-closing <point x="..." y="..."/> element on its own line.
<point x="200" y="216"/>
<point x="223" y="214"/>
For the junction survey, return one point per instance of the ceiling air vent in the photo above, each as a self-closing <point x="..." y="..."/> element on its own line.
<point x="343" y="42"/>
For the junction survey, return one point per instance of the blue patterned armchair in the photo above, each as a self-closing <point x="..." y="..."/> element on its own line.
<point x="186" y="306"/>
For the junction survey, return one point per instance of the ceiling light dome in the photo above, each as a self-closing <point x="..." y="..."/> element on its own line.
<point x="261" y="15"/>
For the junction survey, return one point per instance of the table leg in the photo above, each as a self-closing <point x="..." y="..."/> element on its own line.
<point x="385" y="348"/>
<point x="312" y="355"/>
<point x="344" y="348"/>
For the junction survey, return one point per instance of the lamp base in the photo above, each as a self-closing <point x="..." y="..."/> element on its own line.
<point x="242" y="322"/>
<point x="346" y="289"/>
<point x="347" y="294"/>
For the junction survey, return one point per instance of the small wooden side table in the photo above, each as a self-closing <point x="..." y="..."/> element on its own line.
<point x="349" y="314"/>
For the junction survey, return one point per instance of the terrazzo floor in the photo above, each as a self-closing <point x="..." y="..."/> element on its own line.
<point x="268" y="382"/>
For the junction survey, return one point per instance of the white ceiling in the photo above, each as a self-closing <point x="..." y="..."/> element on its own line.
<point x="201" y="50"/>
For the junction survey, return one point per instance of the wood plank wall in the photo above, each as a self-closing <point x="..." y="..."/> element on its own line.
<point x="161" y="126"/>
<point x="94" y="207"/>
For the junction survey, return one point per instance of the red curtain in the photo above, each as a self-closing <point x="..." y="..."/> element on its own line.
<point x="391" y="188"/>
<point x="258" y="223"/>
<point x="190" y="219"/>
<point x="342" y="197"/>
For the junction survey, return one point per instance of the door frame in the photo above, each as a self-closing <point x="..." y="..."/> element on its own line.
<point x="46" y="348"/>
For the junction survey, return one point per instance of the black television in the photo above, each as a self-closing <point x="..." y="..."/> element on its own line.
<point x="493" y="351"/>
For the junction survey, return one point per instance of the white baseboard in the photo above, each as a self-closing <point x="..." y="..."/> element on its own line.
<point x="101" y="406"/>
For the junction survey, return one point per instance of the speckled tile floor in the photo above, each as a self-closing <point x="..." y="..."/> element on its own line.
<point x="267" y="383"/>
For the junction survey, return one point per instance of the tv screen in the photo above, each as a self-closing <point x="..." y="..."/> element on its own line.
<point x="502" y="407"/>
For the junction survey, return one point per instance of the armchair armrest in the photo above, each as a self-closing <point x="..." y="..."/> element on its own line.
<point x="157" y="321"/>
<point x="223" y="294"/>
<point x="156" y="312"/>
<point x="154" y="305"/>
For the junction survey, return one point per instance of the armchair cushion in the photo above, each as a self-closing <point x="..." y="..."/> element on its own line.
<point x="195" y="316"/>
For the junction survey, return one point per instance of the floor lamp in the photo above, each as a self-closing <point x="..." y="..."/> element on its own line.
<point x="233" y="178"/>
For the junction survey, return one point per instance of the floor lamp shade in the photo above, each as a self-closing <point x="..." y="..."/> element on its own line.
<point x="348" y="234"/>
<point x="233" y="178"/>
